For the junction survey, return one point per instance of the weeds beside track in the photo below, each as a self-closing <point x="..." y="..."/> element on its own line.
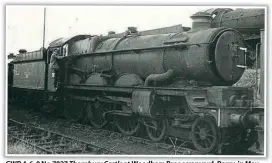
<point x="51" y="142"/>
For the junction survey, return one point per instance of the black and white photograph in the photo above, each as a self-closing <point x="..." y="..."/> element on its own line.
<point x="136" y="80"/>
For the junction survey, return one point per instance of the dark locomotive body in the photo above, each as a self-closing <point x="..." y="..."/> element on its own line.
<point x="175" y="84"/>
<point x="28" y="76"/>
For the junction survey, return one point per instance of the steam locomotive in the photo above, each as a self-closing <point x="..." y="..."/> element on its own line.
<point x="173" y="82"/>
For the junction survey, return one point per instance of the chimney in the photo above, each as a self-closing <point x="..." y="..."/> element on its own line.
<point x="22" y="51"/>
<point x="201" y="20"/>
<point x="132" y="30"/>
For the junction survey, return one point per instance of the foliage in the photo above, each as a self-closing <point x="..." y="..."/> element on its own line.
<point x="248" y="80"/>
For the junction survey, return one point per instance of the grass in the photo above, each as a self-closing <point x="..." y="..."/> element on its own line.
<point x="20" y="148"/>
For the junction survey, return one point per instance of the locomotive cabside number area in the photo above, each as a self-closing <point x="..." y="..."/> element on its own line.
<point x="177" y="88"/>
<point x="27" y="73"/>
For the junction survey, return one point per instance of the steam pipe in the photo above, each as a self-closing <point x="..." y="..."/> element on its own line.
<point x="159" y="77"/>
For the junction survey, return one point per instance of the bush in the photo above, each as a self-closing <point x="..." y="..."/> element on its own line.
<point x="248" y="80"/>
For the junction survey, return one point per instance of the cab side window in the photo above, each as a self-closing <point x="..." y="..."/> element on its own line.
<point x="65" y="50"/>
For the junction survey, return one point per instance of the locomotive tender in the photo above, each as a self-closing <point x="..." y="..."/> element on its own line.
<point x="174" y="82"/>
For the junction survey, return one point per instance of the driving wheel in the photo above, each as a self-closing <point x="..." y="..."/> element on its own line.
<point x="96" y="114"/>
<point x="156" y="129"/>
<point x="127" y="125"/>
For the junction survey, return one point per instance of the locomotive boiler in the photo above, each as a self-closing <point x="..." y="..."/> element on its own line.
<point x="173" y="82"/>
<point x="210" y="56"/>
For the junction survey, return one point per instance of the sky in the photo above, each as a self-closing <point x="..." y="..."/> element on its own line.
<point x="24" y="24"/>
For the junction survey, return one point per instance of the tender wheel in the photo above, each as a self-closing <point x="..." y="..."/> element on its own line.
<point x="205" y="135"/>
<point x="96" y="114"/>
<point x="40" y="102"/>
<point x="25" y="101"/>
<point x="128" y="125"/>
<point x="156" y="129"/>
<point x="80" y="115"/>
<point x="48" y="109"/>
<point x="73" y="109"/>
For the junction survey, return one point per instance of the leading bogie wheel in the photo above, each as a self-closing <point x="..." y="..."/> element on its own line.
<point x="80" y="114"/>
<point x="205" y="135"/>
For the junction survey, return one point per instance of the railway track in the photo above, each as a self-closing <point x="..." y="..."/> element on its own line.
<point x="101" y="141"/>
<point x="97" y="141"/>
<point x="31" y="128"/>
<point x="177" y="147"/>
<point x="51" y="142"/>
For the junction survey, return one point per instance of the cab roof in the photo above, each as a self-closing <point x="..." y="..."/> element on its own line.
<point x="62" y="41"/>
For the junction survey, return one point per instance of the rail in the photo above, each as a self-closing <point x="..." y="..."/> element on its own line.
<point x="51" y="142"/>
